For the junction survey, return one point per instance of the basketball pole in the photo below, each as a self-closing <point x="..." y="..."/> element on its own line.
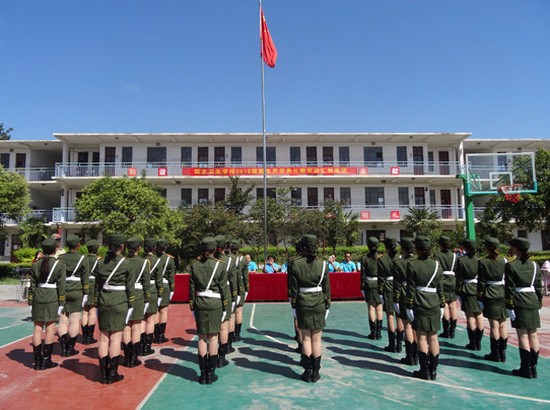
<point x="468" y="208"/>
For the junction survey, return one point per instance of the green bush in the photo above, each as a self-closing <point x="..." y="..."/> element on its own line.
<point x="25" y="255"/>
<point x="9" y="270"/>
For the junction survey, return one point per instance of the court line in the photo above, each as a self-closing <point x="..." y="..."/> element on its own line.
<point x="8" y="327"/>
<point x="15" y="341"/>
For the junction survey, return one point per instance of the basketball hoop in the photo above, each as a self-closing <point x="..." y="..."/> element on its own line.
<point x="511" y="192"/>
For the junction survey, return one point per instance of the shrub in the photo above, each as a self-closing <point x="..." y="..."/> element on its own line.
<point x="25" y="255"/>
<point x="9" y="270"/>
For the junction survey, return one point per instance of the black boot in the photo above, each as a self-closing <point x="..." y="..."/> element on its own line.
<point x="126" y="349"/>
<point x="494" y="356"/>
<point x="415" y="353"/>
<point x="37" y="351"/>
<point x="304" y="361"/>
<point x="452" y="328"/>
<point x="534" y="361"/>
<point x="156" y="334"/>
<point x="471" y="338"/>
<point x="104" y="369"/>
<point x="222" y="351"/>
<point x="433" y="361"/>
<point x="147" y="346"/>
<point x="71" y="351"/>
<point x="90" y="334"/>
<point x="134" y="361"/>
<point x="84" y="334"/>
<point x="502" y="344"/>
<point x="162" y="331"/>
<point x="372" y="326"/>
<point x="64" y="343"/>
<point x="308" y="368"/>
<point x="378" y="330"/>
<point x="525" y="365"/>
<point x="478" y="336"/>
<point x="238" y="327"/>
<point x="399" y="341"/>
<point x="47" y="357"/>
<point x="315" y="376"/>
<point x="141" y="344"/>
<point x="391" y="342"/>
<point x="408" y="359"/>
<point x="113" y="370"/>
<point x="446" y="327"/>
<point x="203" y="366"/>
<point x="230" y="348"/>
<point x="424" y="371"/>
<point x="211" y="376"/>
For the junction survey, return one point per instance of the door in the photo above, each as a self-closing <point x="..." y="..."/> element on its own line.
<point x="418" y="160"/>
<point x="110" y="159"/>
<point x="444" y="163"/>
<point x="447" y="212"/>
<point x="419" y="197"/>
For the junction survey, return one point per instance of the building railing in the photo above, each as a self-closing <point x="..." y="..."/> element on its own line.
<point x="44" y="214"/>
<point x="36" y="174"/>
<point x="63" y="215"/>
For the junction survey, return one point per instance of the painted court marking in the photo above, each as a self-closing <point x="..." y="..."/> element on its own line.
<point x="9" y="327"/>
<point x="15" y="341"/>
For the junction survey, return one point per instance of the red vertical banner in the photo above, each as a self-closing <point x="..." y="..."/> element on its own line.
<point x="268" y="52"/>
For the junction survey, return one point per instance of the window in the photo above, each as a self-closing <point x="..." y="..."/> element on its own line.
<point x="380" y="235"/>
<point x="20" y="160"/>
<point x="156" y="156"/>
<point x="163" y="192"/>
<point x="271" y="193"/>
<point x="328" y="156"/>
<point x="110" y="158"/>
<point x="311" y="156"/>
<point x="219" y="157"/>
<point x="5" y="160"/>
<point x="186" y="157"/>
<point x="419" y="197"/>
<point x="345" y="195"/>
<point x="418" y="160"/>
<point x="374" y="196"/>
<point x="202" y="196"/>
<point x="95" y="157"/>
<point x="187" y="197"/>
<point x="444" y="163"/>
<point x="82" y="158"/>
<point x="219" y="194"/>
<point x="295" y="156"/>
<point x="328" y="194"/>
<point x="431" y="161"/>
<point x="432" y="197"/>
<point x="403" y="195"/>
<point x="127" y="153"/>
<point x="344" y="156"/>
<point x="312" y="197"/>
<point x="236" y="155"/>
<point x="296" y="196"/>
<point x="523" y="233"/>
<point x="271" y="156"/>
<point x="373" y="156"/>
<point x="2" y="244"/>
<point x="202" y="157"/>
<point x="402" y="156"/>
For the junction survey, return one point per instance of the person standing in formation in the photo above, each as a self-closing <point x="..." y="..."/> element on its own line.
<point x="369" y="286"/>
<point x="89" y="312"/>
<point x="224" y="328"/>
<point x="447" y="259"/>
<point x="46" y="299"/>
<point x="242" y="284"/>
<point x="425" y="304"/>
<point x="466" y="284"/>
<point x="523" y="298"/>
<point x="168" y="269"/>
<point x="309" y="289"/>
<point x="77" y="289"/>
<point x="156" y="290"/>
<point x="400" y="294"/>
<point x="234" y="289"/>
<point x="490" y="297"/>
<point x="385" y="290"/>
<point x="115" y="298"/>
<point x="207" y="283"/>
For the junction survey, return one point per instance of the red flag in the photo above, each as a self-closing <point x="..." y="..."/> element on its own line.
<point x="268" y="52"/>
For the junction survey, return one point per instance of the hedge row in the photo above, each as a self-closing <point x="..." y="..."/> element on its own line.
<point x="10" y="270"/>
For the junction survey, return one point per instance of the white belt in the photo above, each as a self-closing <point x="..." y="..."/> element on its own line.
<point x="152" y="282"/>
<point x="372" y="278"/>
<point x="495" y="282"/>
<point x="73" y="279"/>
<point x="468" y="281"/>
<point x="448" y="272"/>
<point x="113" y="287"/>
<point x="139" y="286"/>
<point x="389" y="278"/>
<point x="311" y="290"/>
<point x="47" y="285"/>
<point x="165" y="280"/>
<point x="403" y="283"/>
<point x="209" y="294"/>
<point x="526" y="290"/>
<point x="425" y="289"/>
<point x="92" y="277"/>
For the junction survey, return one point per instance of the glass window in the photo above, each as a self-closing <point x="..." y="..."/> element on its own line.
<point x="374" y="196"/>
<point x="20" y="160"/>
<point x="186" y="197"/>
<point x="344" y="156"/>
<point x="345" y="195"/>
<point x="311" y="156"/>
<point x="219" y="194"/>
<point x="82" y="158"/>
<point x="95" y="157"/>
<point x="432" y="197"/>
<point x="202" y="196"/>
<point x="271" y="193"/>
<point x="419" y="197"/>
<point x="373" y="156"/>
<point x="127" y="154"/>
<point x="271" y="156"/>
<point x="219" y="157"/>
<point x="402" y="156"/>
<point x="156" y="156"/>
<point x="295" y="155"/>
<point x="296" y="196"/>
<point x="5" y="160"/>
<point x="403" y="194"/>
<point x="236" y="155"/>
<point x="328" y="194"/>
<point x="202" y="157"/>
<point x="312" y="197"/>
<point x="328" y="156"/>
<point x="186" y="157"/>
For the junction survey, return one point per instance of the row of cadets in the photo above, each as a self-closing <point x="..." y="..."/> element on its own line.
<point x="369" y="288"/>
<point x="168" y="269"/>
<point x="385" y="290"/>
<point x="89" y="312"/>
<point x="243" y="287"/>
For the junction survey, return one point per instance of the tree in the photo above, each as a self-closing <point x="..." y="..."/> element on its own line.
<point x="341" y="226"/>
<point x="14" y="196"/>
<point x="489" y="224"/>
<point x="132" y="206"/>
<point x="238" y="199"/>
<point x="422" y="221"/>
<point x="32" y="231"/>
<point x="5" y="134"/>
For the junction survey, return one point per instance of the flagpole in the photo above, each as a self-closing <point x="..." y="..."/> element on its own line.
<point x="264" y="140"/>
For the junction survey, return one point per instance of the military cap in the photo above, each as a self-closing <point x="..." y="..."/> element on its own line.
<point x="73" y="241"/>
<point x="162" y="243"/>
<point x="406" y="243"/>
<point x="150" y="242"/>
<point x="116" y="239"/>
<point x="133" y="242"/>
<point x="235" y="243"/>
<point x="469" y="243"/>
<point x="444" y="241"/>
<point x="49" y="245"/>
<point x="220" y="241"/>
<point x="92" y="245"/>
<point x="520" y="243"/>
<point x="208" y="243"/>
<point x="491" y="243"/>
<point x="390" y="243"/>
<point x="309" y="240"/>
<point x="422" y="242"/>
<point x="372" y="241"/>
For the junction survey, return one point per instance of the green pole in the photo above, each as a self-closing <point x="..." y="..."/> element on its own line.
<point x="469" y="209"/>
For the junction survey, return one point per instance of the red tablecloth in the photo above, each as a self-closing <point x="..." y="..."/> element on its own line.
<point x="273" y="287"/>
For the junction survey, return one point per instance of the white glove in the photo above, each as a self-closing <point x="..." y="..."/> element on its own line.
<point x="232" y="306"/>
<point x="326" y="314"/>
<point x="397" y="308"/>
<point x="159" y="300"/>
<point x="363" y="293"/>
<point x="30" y="308"/>
<point x="130" y="311"/>
<point x="382" y="299"/>
<point x="145" y="308"/>
<point x="511" y="314"/>
<point x="84" y="300"/>
<point x="238" y="299"/>
<point x="442" y="313"/>
<point x="223" y="315"/>
<point x="245" y="295"/>
<point x="171" y="295"/>
<point x="294" y="313"/>
<point x="410" y="315"/>
<point x="59" y="310"/>
<point x="480" y="304"/>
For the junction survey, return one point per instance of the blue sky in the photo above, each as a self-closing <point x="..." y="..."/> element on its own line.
<point x="344" y="66"/>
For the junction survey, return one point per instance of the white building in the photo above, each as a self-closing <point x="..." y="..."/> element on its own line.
<point x="379" y="175"/>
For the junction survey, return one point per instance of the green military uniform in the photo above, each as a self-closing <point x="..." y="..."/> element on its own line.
<point x="467" y="268"/>
<point x="233" y="278"/>
<point x="448" y="259"/>
<point x="156" y="286"/>
<point x="92" y="259"/>
<point x="77" y="276"/>
<point x="167" y="267"/>
<point x="47" y="294"/>
<point x="523" y="292"/>
<point x="490" y="287"/>
<point x="220" y="255"/>
<point x="400" y="283"/>
<point x="141" y="267"/>
<point x="385" y="272"/>
<point x="242" y="276"/>
<point x="369" y="277"/>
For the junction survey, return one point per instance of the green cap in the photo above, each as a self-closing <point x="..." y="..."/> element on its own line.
<point x="73" y="241"/>
<point x="49" y="245"/>
<point x="491" y="243"/>
<point x="150" y="242"/>
<point x="469" y="244"/>
<point x="444" y="241"/>
<point x="520" y="243"/>
<point x="422" y="242"/>
<point x="372" y="241"/>
<point x="309" y="240"/>
<point x="235" y="243"/>
<point x="92" y="245"/>
<point x="133" y="242"/>
<point x="220" y="241"/>
<point x="407" y="243"/>
<point x="208" y="243"/>
<point x="162" y="243"/>
<point x="116" y="239"/>
<point x="390" y="243"/>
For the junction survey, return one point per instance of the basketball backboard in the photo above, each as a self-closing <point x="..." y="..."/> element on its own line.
<point x="487" y="173"/>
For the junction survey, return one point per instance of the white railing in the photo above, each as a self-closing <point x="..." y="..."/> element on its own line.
<point x="63" y="215"/>
<point x="36" y="174"/>
<point x="45" y="214"/>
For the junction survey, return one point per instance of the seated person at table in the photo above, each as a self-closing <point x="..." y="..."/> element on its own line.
<point x="333" y="266"/>
<point x="348" y="265"/>
<point x="270" y="265"/>
<point x="252" y="267"/>
<point x="284" y="268"/>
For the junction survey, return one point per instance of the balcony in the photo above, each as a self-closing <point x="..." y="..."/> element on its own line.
<point x="36" y="174"/>
<point x="60" y="215"/>
<point x="45" y="214"/>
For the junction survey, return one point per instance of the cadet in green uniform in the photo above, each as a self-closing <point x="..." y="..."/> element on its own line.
<point x="131" y="338"/>
<point x="168" y="269"/>
<point x="425" y="304"/>
<point x="369" y="288"/>
<point x="89" y="313"/>
<point x="447" y="259"/>
<point x="523" y="298"/>
<point x="490" y="297"/>
<point x="224" y="328"/>
<point x="309" y="288"/>
<point x="242" y="287"/>
<point x="207" y="284"/>
<point x="385" y="290"/>
<point x="77" y="288"/>
<point x="156" y="290"/>
<point x="46" y="300"/>
<point x="400" y="295"/>
<point x="234" y="289"/>
<point x="466" y="288"/>
<point x="115" y="298"/>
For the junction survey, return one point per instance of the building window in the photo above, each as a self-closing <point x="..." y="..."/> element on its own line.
<point x="312" y="197"/>
<point x="163" y="192"/>
<point x="418" y="160"/>
<point x="202" y="196"/>
<point x="373" y="156"/>
<point x="328" y="194"/>
<point x="271" y="156"/>
<point x="403" y="196"/>
<point x="328" y="156"/>
<point x="431" y="161"/>
<point x="343" y="153"/>
<point x="523" y="233"/>
<point x="82" y="158"/>
<point x="444" y="168"/>
<point x="187" y="197"/>
<point x="236" y="155"/>
<point x="345" y="195"/>
<point x="374" y="196"/>
<point x="402" y="156"/>
<point x="380" y="235"/>
<point x="219" y="157"/>
<point x="219" y="194"/>
<point x="95" y="157"/>
<point x="2" y="244"/>
<point x="432" y="197"/>
<point x="296" y="196"/>
<point x="5" y="160"/>
<point x="186" y="157"/>
<point x="20" y="160"/>
<point x="127" y="154"/>
<point x="271" y="193"/>
<point x="311" y="156"/>
<point x="156" y="156"/>
<point x="295" y="156"/>
<point x="202" y="157"/>
<point x="419" y="197"/>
